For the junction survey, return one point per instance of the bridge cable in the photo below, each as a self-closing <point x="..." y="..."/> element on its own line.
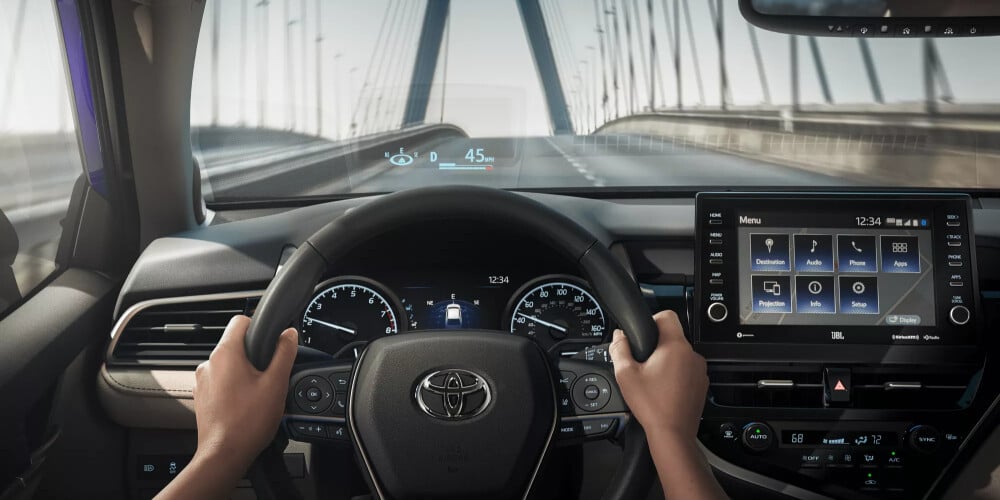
<point x="411" y="26"/>
<point x="654" y="63"/>
<point x="393" y="50"/>
<point x="319" y="75"/>
<point x="761" y="73"/>
<point x="646" y="69"/>
<point x="824" y="84"/>
<point x="942" y="76"/>
<point x="303" y="43"/>
<point x="289" y="90"/>
<point x="564" y="58"/>
<point x="444" y="70"/>
<point x="604" y="66"/>
<point x="869" y="62"/>
<point x="261" y="50"/>
<point x="559" y="27"/>
<point x="617" y="66"/>
<point x="715" y="9"/>
<point x="243" y="62"/>
<point x="631" y="60"/>
<point x="377" y="93"/>
<point x="366" y="82"/>
<point x="694" y="52"/>
<point x="674" y="44"/>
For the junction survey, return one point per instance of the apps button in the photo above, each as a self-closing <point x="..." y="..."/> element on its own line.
<point x="769" y="252"/>
<point x="814" y="253"/>
<point x="814" y="295"/>
<point x="900" y="254"/>
<point x="859" y="295"/>
<point x="856" y="253"/>
<point x="771" y="294"/>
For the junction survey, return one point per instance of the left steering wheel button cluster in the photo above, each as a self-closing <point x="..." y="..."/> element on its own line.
<point x="314" y="394"/>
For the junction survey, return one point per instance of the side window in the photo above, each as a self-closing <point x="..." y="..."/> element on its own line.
<point x="39" y="156"/>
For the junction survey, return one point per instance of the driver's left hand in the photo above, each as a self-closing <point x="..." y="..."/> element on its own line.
<point x="238" y="407"/>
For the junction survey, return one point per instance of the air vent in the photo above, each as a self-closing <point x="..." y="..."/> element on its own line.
<point x="766" y="387"/>
<point x="900" y="388"/>
<point x="176" y="332"/>
<point x="915" y="388"/>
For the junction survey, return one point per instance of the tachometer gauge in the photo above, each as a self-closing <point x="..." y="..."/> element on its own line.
<point x="349" y="310"/>
<point x="551" y="309"/>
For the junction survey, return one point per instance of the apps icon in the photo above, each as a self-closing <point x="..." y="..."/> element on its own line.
<point x="900" y="254"/>
<point x="859" y="294"/>
<point x="856" y="253"/>
<point x="814" y="253"/>
<point x="769" y="252"/>
<point x="771" y="294"/>
<point x="814" y="295"/>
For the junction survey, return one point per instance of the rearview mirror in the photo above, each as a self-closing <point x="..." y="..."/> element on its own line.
<point x="876" y="18"/>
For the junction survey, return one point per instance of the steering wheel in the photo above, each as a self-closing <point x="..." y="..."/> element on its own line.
<point x="458" y="413"/>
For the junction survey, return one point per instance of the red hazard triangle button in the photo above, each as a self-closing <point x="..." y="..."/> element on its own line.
<point x="838" y="386"/>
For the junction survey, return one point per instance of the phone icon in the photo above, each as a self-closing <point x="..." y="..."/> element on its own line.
<point x="855" y="247"/>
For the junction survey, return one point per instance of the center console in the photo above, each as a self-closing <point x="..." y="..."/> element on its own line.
<point x="843" y="336"/>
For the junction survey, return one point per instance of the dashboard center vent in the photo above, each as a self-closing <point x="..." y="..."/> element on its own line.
<point x="176" y="331"/>
<point x="781" y="386"/>
<point x="801" y="386"/>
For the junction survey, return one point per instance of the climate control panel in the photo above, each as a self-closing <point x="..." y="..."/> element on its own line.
<point x="843" y="459"/>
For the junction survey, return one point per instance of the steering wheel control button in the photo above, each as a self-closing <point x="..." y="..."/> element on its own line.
<point x="340" y="380"/>
<point x="837" y="386"/>
<point x="924" y="438"/>
<point x="566" y="379"/>
<point x="959" y="315"/>
<point x="585" y="387"/>
<point x="757" y="436"/>
<point x="304" y="430"/>
<point x="313" y="394"/>
<point x="717" y="312"/>
<point x="340" y="404"/>
<point x="598" y="427"/>
<point x="337" y="432"/>
<point x="569" y="430"/>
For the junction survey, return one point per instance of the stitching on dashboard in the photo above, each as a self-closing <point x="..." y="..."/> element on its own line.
<point x="111" y="376"/>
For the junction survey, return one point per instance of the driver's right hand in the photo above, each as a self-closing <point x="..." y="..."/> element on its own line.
<point x="666" y="393"/>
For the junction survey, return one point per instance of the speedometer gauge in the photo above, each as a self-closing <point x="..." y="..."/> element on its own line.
<point x="349" y="310"/>
<point x="551" y="309"/>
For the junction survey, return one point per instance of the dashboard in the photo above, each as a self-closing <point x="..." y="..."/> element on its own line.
<point x="847" y="335"/>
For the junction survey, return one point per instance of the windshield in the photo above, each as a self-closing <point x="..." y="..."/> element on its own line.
<point x="304" y="98"/>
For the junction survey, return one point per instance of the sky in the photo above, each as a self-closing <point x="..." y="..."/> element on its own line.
<point x="491" y="86"/>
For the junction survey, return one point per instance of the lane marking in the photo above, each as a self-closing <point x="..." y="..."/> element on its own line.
<point x="580" y="166"/>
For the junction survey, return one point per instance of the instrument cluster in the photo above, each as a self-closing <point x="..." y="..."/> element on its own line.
<point x="557" y="310"/>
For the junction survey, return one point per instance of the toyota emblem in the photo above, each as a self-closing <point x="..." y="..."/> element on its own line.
<point x="453" y="394"/>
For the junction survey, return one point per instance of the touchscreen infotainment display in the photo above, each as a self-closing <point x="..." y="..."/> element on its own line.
<point x="866" y="269"/>
<point x="835" y="268"/>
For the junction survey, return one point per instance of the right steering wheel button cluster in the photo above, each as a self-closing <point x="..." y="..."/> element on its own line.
<point x="591" y="392"/>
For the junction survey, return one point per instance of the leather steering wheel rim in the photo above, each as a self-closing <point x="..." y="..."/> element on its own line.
<point x="614" y="288"/>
